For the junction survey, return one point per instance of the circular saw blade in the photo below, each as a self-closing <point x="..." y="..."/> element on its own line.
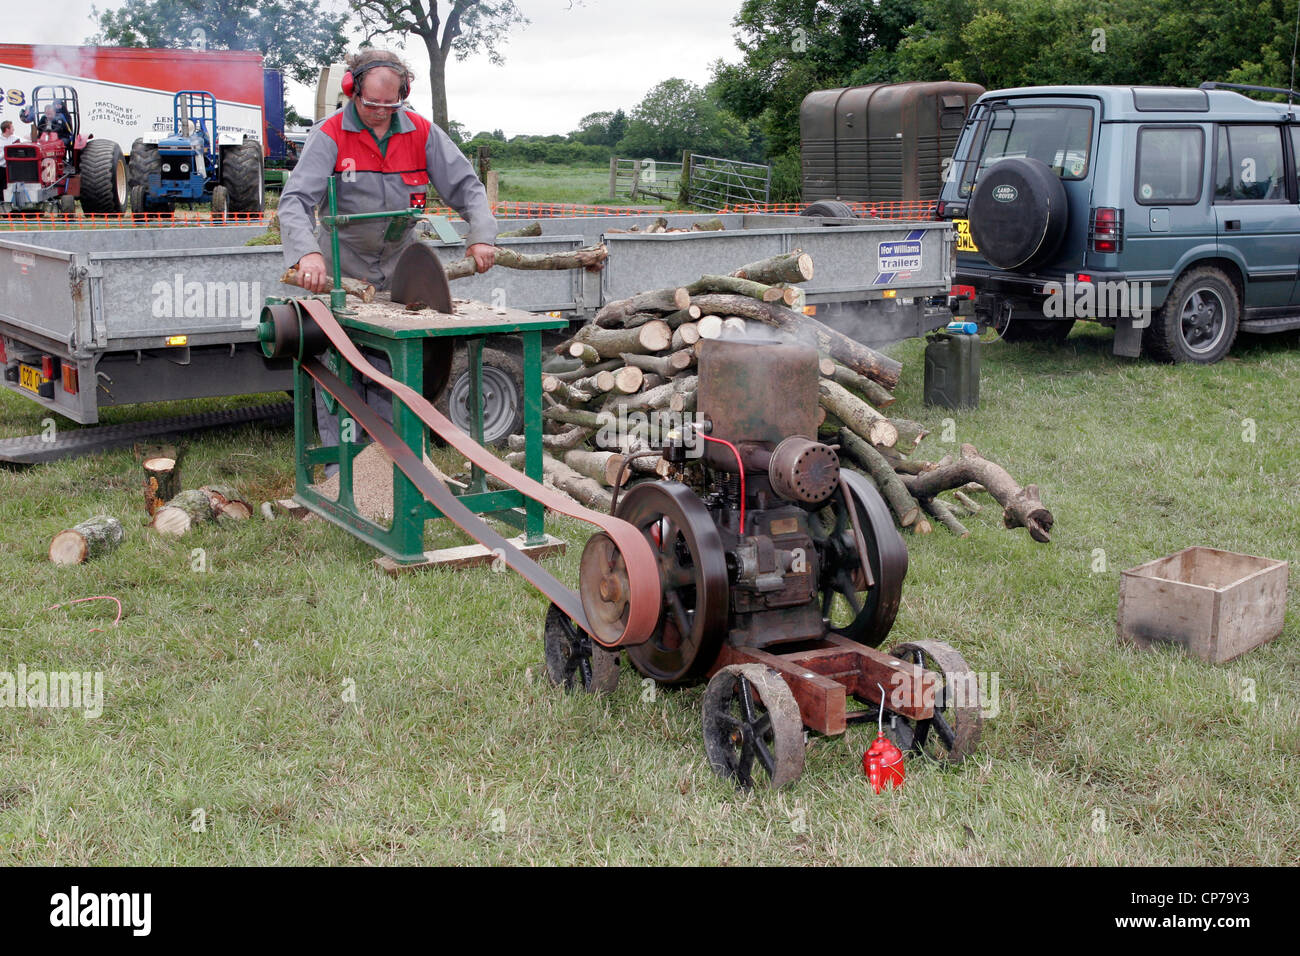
<point x="419" y="279"/>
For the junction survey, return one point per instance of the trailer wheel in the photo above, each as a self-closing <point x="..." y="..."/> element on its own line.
<point x="830" y="208"/>
<point x="503" y="395"/>
<point x="241" y="173"/>
<point x="103" y="178"/>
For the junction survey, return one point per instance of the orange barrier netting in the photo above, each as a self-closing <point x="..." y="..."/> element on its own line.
<point x="894" y="209"/>
<point x="885" y="209"/>
<point x="119" y="220"/>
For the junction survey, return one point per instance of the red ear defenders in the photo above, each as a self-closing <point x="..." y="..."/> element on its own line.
<point x="352" y="81"/>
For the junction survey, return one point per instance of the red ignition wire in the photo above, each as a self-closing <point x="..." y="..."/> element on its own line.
<point x="740" y="465"/>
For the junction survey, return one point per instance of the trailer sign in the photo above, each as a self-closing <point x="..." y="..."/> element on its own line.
<point x="900" y="256"/>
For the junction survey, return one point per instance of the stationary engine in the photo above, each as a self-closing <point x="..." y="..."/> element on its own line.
<point x="763" y="540"/>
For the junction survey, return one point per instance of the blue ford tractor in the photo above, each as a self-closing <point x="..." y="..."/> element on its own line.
<point x="196" y="163"/>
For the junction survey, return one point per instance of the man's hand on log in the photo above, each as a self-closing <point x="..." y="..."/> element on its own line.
<point x="484" y="256"/>
<point x="312" y="275"/>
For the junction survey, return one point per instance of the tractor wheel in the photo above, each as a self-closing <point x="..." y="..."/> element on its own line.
<point x="103" y="178"/>
<point x="220" y="204"/>
<point x="137" y="202"/>
<point x="144" y="160"/>
<point x="241" y="173"/>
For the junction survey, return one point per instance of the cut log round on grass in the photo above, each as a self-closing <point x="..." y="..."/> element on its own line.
<point x="892" y="489"/>
<point x="92" y="538"/>
<point x="856" y="414"/>
<point x="794" y="266"/>
<point x="161" y="478"/>
<point x="862" y="359"/>
<point x="182" y="513"/>
<point x="227" y="502"/>
<point x="1022" y="507"/>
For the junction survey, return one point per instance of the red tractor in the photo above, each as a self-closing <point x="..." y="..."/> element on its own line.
<point x="61" y="165"/>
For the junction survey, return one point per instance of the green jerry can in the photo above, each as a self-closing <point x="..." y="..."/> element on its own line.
<point x="952" y="370"/>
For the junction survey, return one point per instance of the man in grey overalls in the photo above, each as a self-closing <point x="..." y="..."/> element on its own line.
<point x="385" y="156"/>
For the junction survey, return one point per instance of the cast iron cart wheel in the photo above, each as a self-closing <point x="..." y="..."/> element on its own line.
<point x="751" y="718"/>
<point x="574" y="661"/>
<point x="951" y="734"/>
<point x="862" y="617"/>
<point x="693" y="576"/>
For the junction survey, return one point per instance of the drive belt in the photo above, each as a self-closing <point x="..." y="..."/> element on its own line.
<point x="644" y="597"/>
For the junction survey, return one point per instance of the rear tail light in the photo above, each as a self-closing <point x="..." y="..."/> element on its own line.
<point x="4" y="355"/>
<point x="70" y="378"/>
<point x="47" y="366"/>
<point x="1106" y="230"/>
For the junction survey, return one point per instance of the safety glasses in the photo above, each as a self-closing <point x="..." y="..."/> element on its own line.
<point x="382" y="106"/>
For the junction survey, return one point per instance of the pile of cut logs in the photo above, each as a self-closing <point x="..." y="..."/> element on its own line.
<point x="639" y="355"/>
<point x="171" y="511"/>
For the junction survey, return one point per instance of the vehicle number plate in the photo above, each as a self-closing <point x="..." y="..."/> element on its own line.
<point x="31" y="378"/>
<point x="964" y="241"/>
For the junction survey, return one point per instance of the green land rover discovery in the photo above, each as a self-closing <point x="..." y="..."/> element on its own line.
<point x="1170" y="215"/>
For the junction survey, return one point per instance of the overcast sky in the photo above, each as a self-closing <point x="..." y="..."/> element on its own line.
<point x="569" y="61"/>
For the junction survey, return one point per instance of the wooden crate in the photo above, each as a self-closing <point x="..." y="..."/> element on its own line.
<point x="1216" y="604"/>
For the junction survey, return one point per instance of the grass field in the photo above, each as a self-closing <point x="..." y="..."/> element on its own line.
<point x="270" y="698"/>
<point x="543" y="182"/>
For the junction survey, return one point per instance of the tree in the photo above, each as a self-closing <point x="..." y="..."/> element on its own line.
<point x="677" y="115"/>
<point x="294" y="36"/>
<point x="593" y="129"/>
<point x="471" y="26"/>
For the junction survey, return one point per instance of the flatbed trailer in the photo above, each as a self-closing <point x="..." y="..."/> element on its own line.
<point x="94" y="318"/>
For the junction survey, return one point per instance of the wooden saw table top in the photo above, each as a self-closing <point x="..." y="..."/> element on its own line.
<point x="394" y="320"/>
